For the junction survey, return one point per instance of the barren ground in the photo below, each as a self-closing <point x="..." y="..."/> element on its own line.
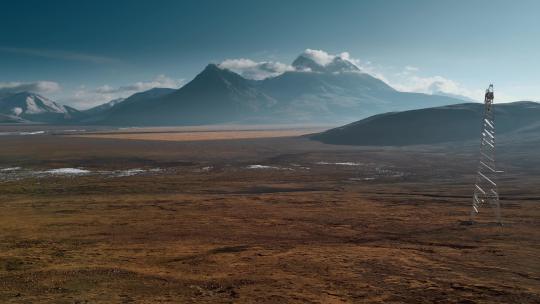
<point x="265" y="220"/>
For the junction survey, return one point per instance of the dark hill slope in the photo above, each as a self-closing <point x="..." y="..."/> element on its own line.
<point x="433" y="125"/>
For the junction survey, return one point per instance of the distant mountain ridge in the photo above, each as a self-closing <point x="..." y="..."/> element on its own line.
<point x="103" y="107"/>
<point x="333" y="91"/>
<point x="214" y="96"/>
<point x="460" y="122"/>
<point x="133" y="105"/>
<point x="336" y="91"/>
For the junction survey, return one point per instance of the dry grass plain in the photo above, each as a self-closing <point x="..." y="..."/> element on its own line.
<point x="200" y="135"/>
<point x="318" y="224"/>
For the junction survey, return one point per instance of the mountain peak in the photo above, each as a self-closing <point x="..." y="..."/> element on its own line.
<point x="212" y="67"/>
<point x="319" y="61"/>
<point x="213" y="72"/>
<point x="304" y="63"/>
<point x="342" y="65"/>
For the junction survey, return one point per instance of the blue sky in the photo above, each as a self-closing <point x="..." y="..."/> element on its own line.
<point x="85" y="52"/>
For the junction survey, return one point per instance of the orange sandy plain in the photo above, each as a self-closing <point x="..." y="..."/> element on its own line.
<point x="197" y="135"/>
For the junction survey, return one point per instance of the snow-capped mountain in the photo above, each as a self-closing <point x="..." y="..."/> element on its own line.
<point x="336" y="65"/>
<point x="36" y="108"/>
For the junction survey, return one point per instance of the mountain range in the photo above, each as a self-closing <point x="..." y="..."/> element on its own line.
<point x="337" y="91"/>
<point x="453" y="123"/>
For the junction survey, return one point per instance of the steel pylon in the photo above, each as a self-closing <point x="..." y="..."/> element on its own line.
<point x="485" y="188"/>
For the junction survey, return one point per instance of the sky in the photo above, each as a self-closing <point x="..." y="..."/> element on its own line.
<point x="83" y="53"/>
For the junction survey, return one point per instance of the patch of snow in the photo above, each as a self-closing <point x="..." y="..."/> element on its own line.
<point x="31" y="106"/>
<point x="10" y="169"/>
<point x="362" y="178"/>
<point x="261" y="167"/>
<point x="267" y="167"/>
<point x="36" y="104"/>
<point x="67" y="171"/>
<point x="17" y="173"/>
<point x="32" y="133"/>
<point x="51" y="105"/>
<point x="298" y="166"/>
<point x="348" y="164"/>
<point x="340" y="163"/>
<point x="129" y="172"/>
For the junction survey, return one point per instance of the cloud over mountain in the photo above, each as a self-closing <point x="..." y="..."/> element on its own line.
<point x="265" y="69"/>
<point x="40" y="87"/>
<point x="160" y="81"/>
<point x="406" y="79"/>
<point x="255" y="70"/>
<point x="85" y="97"/>
<point x="323" y="58"/>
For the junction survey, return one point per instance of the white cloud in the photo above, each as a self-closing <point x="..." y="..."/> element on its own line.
<point x="323" y="58"/>
<point x="319" y="56"/>
<point x="255" y="70"/>
<point x="160" y="81"/>
<point x="408" y="81"/>
<point x="260" y="70"/>
<point x="410" y="69"/>
<point x="370" y="68"/>
<point x="440" y="84"/>
<point x="40" y="87"/>
<point x="84" y="97"/>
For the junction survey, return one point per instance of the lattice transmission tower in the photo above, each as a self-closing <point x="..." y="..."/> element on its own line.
<point x="485" y="188"/>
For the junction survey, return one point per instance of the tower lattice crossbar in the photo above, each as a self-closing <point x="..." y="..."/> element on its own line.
<point x="485" y="188"/>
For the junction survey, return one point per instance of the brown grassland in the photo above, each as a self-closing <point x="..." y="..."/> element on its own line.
<point x="319" y="224"/>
